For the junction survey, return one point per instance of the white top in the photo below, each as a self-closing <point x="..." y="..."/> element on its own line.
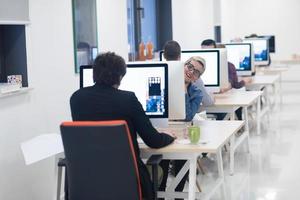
<point x="264" y="80"/>
<point x="236" y="98"/>
<point x="215" y="133"/>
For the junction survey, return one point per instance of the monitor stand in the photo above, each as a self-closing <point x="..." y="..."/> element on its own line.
<point x="159" y="122"/>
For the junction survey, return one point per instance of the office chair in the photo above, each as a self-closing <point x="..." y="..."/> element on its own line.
<point x="100" y="162"/>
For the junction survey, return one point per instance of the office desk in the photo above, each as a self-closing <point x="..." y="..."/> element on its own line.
<point x="216" y="134"/>
<point x="229" y="102"/>
<point x="266" y="81"/>
<point x="273" y="70"/>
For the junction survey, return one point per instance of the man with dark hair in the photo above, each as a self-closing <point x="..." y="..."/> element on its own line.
<point x="208" y="43"/>
<point x="104" y="101"/>
<point x="172" y="50"/>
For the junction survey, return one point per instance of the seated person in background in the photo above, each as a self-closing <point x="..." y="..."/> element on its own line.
<point x="232" y="77"/>
<point x="104" y="101"/>
<point x="192" y="71"/>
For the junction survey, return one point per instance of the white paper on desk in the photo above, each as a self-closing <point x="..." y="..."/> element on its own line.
<point x="187" y="141"/>
<point x="41" y="147"/>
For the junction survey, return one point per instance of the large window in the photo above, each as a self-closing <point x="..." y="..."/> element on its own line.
<point x="85" y="32"/>
<point x="149" y="25"/>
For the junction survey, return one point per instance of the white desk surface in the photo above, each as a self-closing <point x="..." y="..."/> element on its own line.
<point x="271" y="69"/>
<point x="215" y="133"/>
<point x="236" y="98"/>
<point x="264" y="79"/>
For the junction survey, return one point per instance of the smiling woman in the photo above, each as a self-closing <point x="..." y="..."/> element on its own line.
<point x="85" y="32"/>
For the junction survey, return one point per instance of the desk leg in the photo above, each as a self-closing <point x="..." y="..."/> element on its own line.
<point x="192" y="178"/>
<point x="258" y="115"/>
<point x="247" y="131"/>
<point x="232" y="115"/>
<point x="232" y="149"/>
<point x="221" y="172"/>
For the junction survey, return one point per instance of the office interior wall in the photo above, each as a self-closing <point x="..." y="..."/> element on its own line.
<point x="192" y="22"/>
<point x="14" y="10"/>
<point x="112" y="26"/>
<point x="51" y="75"/>
<point x="278" y="17"/>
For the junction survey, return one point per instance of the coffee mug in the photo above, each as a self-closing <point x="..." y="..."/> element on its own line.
<point x="194" y="134"/>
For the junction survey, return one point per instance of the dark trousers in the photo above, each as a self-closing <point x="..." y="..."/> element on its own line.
<point x="178" y="164"/>
<point x="238" y="112"/>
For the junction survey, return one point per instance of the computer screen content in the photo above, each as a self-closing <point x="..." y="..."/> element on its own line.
<point x="239" y="54"/>
<point x="271" y="41"/>
<point x="86" y="76"/>
<point x="261" y="50"/>
<point x="211" y="76"/>
<point x="149" y="82"/>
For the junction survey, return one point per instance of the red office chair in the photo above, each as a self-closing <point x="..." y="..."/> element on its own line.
<point x="100" y="161"/>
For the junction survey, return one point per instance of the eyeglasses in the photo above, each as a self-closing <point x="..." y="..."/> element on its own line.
<point x="191" y="68"/>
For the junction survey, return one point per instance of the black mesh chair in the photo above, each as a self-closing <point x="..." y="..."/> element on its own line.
<point x="100" y="162"/>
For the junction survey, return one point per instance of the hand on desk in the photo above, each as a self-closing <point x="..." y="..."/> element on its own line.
<point x="170" y="133"/>
<point x="247" y="80"/>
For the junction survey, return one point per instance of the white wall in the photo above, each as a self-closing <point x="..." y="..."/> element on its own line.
<point x="112" y="26"/>
<point x="278" y="17"/>
<point x="192" y="22"/>
<point x="51" y="74"/>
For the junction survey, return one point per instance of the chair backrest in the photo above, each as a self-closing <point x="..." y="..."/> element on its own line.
<point x="101" y="162"/>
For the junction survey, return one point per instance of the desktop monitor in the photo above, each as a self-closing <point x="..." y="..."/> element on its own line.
<point x="271" y="40"/>
<point x="149" y="82"/>
<point x="176" y="90"/>
<point x="86" y="76"/>
<point x="176" y="87"/>
<point x="261" y="50"/>
<point x="214" y="58"/>
<point x="241" y="55"/>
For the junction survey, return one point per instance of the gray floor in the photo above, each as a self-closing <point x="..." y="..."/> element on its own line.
<point x="271" y="170"/>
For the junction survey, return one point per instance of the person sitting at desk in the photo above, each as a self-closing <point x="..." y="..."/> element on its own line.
<point x="193" y="69"/>
<point x="104" y="101"/>
<point x="232" y="76"/>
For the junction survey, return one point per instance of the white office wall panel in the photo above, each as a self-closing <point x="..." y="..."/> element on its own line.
<point x="112" y="26"/>
<point x="276" y="17"/>
<point x="14" y="10"/>
<point x="192" y="22"/>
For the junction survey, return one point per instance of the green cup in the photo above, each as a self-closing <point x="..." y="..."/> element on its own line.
<point x="194" y="134"/>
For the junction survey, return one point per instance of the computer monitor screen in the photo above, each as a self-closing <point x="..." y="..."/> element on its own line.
<point x="211" y="76"/>
<point x="149" y="82"/>
<point x="261" y="50"/>
<point x="86" y="76"/>
<point x="271" y="41"/>
<point x="239" y="54"/>
<point x="94" y="52"/>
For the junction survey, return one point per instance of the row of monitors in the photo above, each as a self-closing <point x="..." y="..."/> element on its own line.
<point x="160" y="86"/>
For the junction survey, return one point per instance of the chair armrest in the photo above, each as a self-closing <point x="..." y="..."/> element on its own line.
<point x="62" y="162"/>
<point x="154" y="159"/>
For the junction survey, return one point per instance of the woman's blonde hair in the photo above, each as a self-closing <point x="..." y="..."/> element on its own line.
<point x="199" y="60"/>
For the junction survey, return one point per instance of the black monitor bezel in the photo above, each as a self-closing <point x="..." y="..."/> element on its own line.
<point x="218" y="62"/>
<point x="258" y="62"/>
<point x="165" y="66"/>
<point x="199" y="51"/>
<point x="82" y="67"/>
<point x="251" y="61"/>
